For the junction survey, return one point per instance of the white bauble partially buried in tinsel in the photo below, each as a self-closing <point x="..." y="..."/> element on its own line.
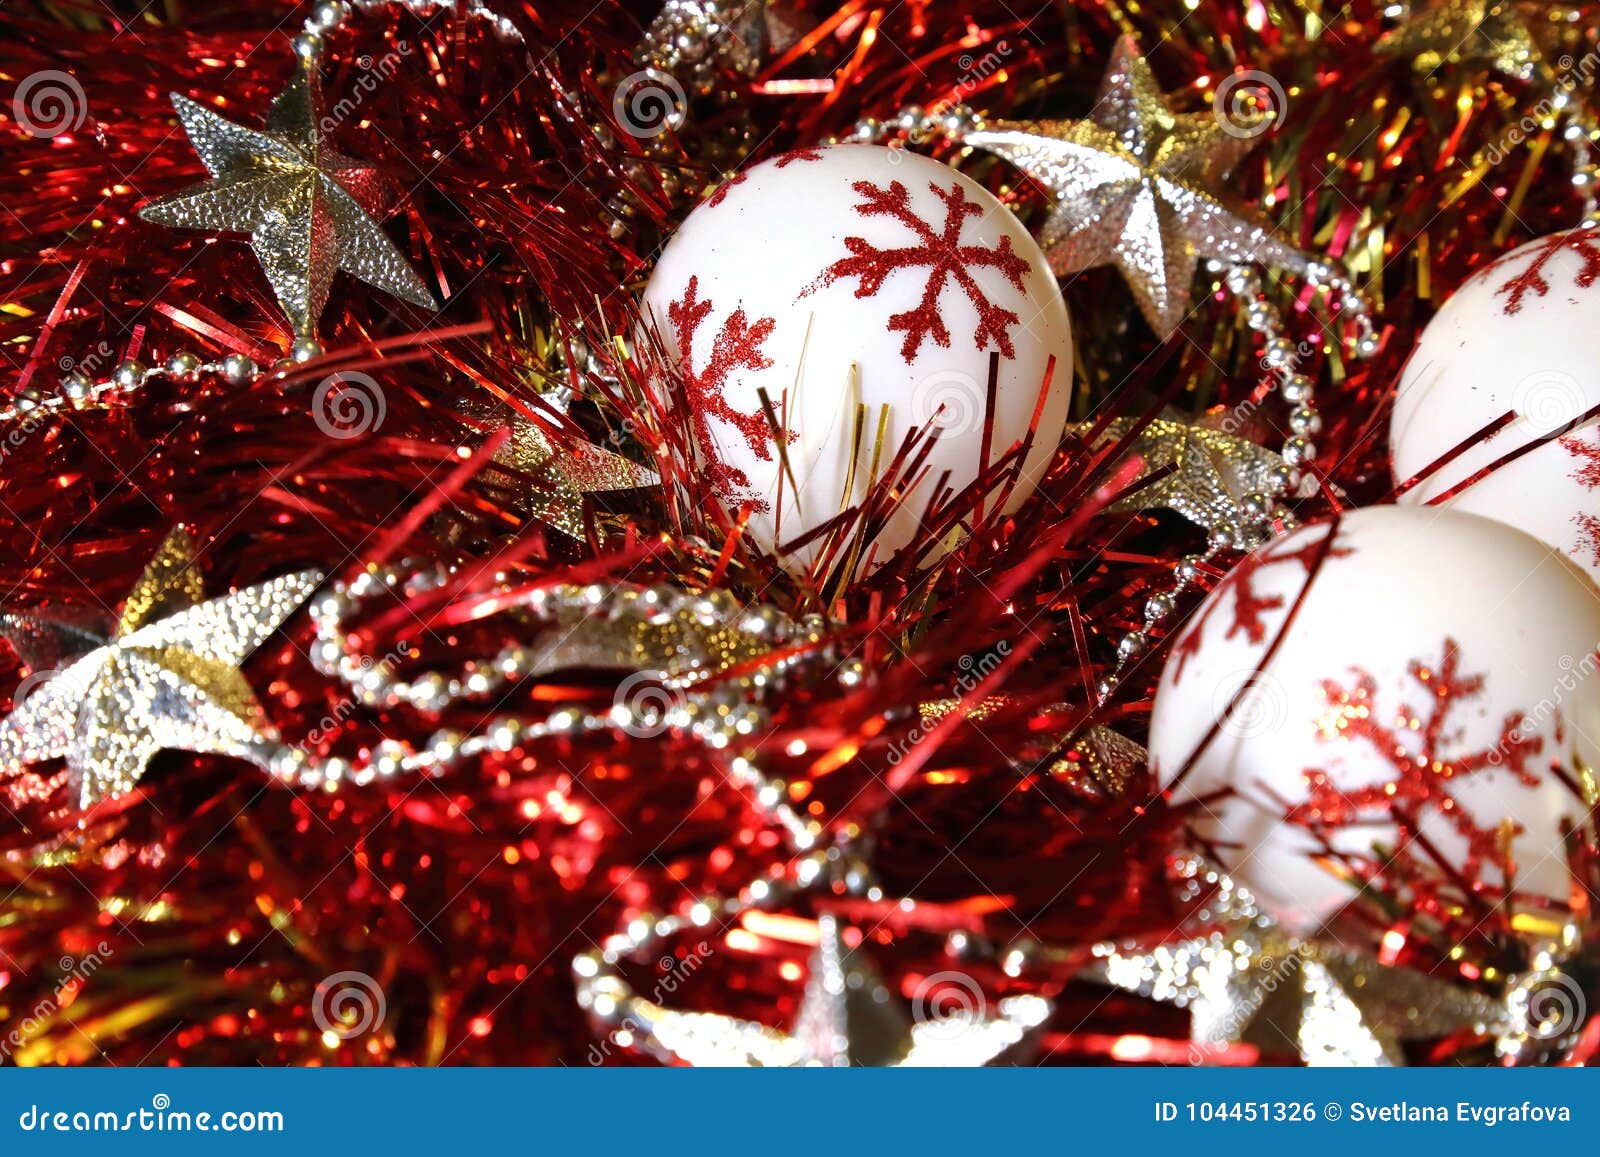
<point x="1521" y="336"/>
<point x="849" y="276"/>
<point x="1437" y="666"/>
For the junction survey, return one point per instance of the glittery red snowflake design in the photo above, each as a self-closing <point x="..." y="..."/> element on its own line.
<point x="1589" y="535"/>
<point x="737" y="347"/>
<point x="1588" y="456"/>
<point x="1413" y="745"/>
<point x="1587" y="472"/>
<point x="794" y="156"/>
<point x="1532" y="280"/>
<point x="1248" y="605"/>
<point x="944" y="257"/>
<point x="720" y="193"/>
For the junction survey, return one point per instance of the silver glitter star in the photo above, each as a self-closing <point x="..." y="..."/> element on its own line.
<point x="1132" y="188"/>
<point x="1212" y="471"/>
<point x="165" y="679"/>
<point x="45" y="640"/>
<point x="1247" y="980"/>
<point x="848" y="1017"/>
<point x="309" y="211"/>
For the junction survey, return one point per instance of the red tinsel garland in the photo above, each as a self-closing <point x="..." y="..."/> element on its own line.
<point x="219" y="902"/>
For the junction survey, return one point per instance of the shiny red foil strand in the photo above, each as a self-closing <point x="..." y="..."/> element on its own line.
<point x="222" y="902"/>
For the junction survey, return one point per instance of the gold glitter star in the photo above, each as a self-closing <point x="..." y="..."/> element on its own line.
<point x="1494" y="32"/>
<point x="167" y="678"/>
<point x="309" y="211"/>
<point x="560" y="476"/>
<point x="1100" y="763"/>
<point x="1211" y="472"/>
<point x="1132" y="189"/>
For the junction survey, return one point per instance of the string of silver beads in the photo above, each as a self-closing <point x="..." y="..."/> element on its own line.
<point x="721" y="718"/>
<point x="605" y="995"/>
<point x="330" y="15"/>
<point x="338" y="653"/>
<point x="78" y="390"/>
<point x="1581" y="135"/>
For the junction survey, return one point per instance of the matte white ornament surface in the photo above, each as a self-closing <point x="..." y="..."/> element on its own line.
<point x="846" y="276"/>
<point x="1439" y="662"/>
<point x="1522" y="335"/>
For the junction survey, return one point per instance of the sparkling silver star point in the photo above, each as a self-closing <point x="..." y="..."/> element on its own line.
<point x="166" y="678"/>
<point x="560" y="474"/>
<point x="1132" y="188"/>
<point x="309" y="210"/>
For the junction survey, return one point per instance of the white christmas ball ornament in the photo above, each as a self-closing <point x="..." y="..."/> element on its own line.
<point x="1435" y="668"/>
<point x="1519" y="336"/>
<point x="851" y="276"/>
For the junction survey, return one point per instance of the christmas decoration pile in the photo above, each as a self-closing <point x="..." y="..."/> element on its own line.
<point x="572" y="534"/>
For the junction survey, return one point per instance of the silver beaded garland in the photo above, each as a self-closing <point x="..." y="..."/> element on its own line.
<point x="78" y="390"/>
<point x="722" y="718"/>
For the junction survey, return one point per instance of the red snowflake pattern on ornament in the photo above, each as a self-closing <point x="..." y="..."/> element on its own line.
<point x="944" y="257"/>
<point x="1532" y="280"/>
<point x="737" y="347"/>
<point x="1587" y="472"/>
<point x="1248" y="605"/>
<point x="1413" y="745"/>
<point x="795" y="156"/>
<point x="720" y="193"/>
<point x="1589" y="535"/>
<point x="1588" y="456"/>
